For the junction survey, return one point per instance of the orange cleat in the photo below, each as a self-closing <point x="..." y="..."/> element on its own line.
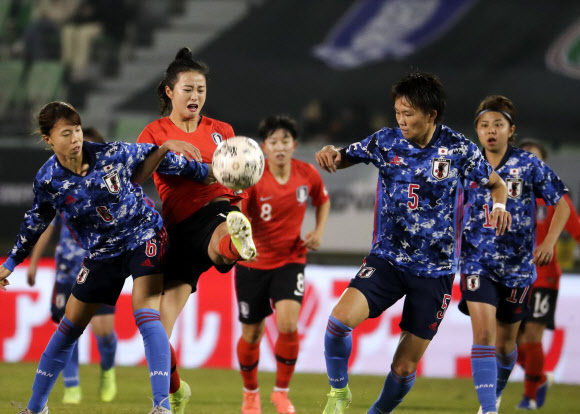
<point x="282" y="402"/>
<point x="251" y="404"/>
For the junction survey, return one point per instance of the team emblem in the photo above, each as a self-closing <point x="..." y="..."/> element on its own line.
<point x="440" y="168"/>
<point x="113" y="182"/>
<point x="301" y="194"/>
<point x="244" y="309"/>
<point x="217" y="138"/>
<point x="472" y="282"/>
<point x="365" y="272"/>
<point x="82" y="276"/>
<point x="514" y="186"/>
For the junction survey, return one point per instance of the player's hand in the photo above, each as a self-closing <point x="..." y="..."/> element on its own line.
<point x="543" y="254"/>
<point x="31" y="275"/>
<point x="500" y="220"/>
<point x="312" y="240"/>
<point x="328" y="158"/>
<point x="210" y="177"/>
<point x="4" y="273"/>
<point x="185" y="148"/>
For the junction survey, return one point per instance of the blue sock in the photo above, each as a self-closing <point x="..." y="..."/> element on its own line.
<point x="505" y="365"/>
<point x="55" y="356"/>
<point x="107" y="348"/>
<point x="484" y="372"/>
<point x="394" y="390"/>
<point x="156" y="352"/>
<point x="70" y="373"/>
<point x="337" y="347"/>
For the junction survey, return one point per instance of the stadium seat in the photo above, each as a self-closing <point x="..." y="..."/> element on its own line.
<point x="10" y="79"/>
<point x="128" y="128"/>
<point x="45" y="83"/>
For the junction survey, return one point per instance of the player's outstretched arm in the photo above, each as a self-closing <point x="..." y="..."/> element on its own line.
<point x="500" y="219"/>
<point x="37" y="251"/>
<point x="544" y="253"/>
<point x="4" y="273"/>
<point x="331" y="159"/>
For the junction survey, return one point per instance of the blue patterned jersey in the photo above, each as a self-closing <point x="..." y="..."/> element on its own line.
<point x="417" y="219"/>
<point x="107" y="213"/>
<point x="508" y="258"/>
<point x="69" y="254"/>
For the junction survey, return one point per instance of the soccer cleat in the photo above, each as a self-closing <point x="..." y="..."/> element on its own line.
<point x="527" y="404"/>
<point x="159" y="410"/>
<point x="543" y="389"/>
<point x="179" y="399"/>
<point x="497" y="403"/>
<point x="251" y="403"/>
<point x="282" y="402"/>
<point x="108" y="385"/>
<point x="72" y="395"/>
<point x="240" y="230"/>
<point x="338" y="400"/>
<point x="28" y="411"/>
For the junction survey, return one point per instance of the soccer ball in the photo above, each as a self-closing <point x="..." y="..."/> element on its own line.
<point x="238" y="163"/>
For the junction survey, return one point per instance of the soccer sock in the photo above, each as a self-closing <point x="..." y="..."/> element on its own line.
<point x="70" y="373"/>
<point x="534" y="369"/>
<point x="55" y="356"/>
<point x="227" y="248"/>
<point x="174" y="380"/>
<point x="107" y="348"/>
<point x="249" y="356"/>
<point x="156" y="352"/>
<point x="394" y="390"/>
<point x="522" y="355"/>
<point x="505" y="365"/>
<point x="286" y="350"/>
<point x="337" y="348"/>
<point x="484" y="372"/>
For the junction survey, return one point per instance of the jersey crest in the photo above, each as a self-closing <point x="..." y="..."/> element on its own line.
<point x="217" y="137"/>
<point x="302" y="194"/>
<point x="83" y="274"/>
<point x="515" y="186"/>
<point x="472" y="282"/>
<point x="440" y="168"/>
<point x="365" y="272"/>
<point x="113" y="182"/>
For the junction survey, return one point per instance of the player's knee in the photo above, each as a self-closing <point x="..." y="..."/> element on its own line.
<point x="484" y="337"/>
<point x="404" y="368"/>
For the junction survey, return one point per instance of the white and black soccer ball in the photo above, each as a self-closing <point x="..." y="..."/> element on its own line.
<point x="238" y="163"/>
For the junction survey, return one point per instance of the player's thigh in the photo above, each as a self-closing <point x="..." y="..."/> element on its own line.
<point x="78" y="312"/>
<point x="173" y="300"/>
<point x="287" y="312"/>
<point x="252" y="291"/>
<point x="409" y="352"/>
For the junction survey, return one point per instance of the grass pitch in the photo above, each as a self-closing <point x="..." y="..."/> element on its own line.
<point x="220" y="391"/>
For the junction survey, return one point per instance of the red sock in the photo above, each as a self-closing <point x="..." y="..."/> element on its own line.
<point x="249" y="356"/>
<point x="522" y="355"/>
<point x="174" y="380"/>
<point x="534" y="369"/>
<point x="286" y="351"/>
<point x="227" y="249"/>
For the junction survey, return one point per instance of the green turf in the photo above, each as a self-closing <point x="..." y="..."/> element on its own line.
<point x="219" y="391"/>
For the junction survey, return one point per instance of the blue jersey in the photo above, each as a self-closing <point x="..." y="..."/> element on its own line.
<point x="106" y="212"/>
<point x="69" y="254"/>
<point x="420" y="196"/>
<point x="508" y="258"/>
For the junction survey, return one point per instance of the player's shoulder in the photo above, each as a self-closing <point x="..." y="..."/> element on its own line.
<point x="523" y="158"/>
<point x="219" y="126"/>
<point x="453" y="136"/>
<point x="303" y="167"/>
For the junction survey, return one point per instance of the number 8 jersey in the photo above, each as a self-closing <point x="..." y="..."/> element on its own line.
<point x="420" y="196"/>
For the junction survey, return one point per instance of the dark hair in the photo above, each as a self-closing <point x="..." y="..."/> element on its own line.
<point x="52" y="112"/>
<point x="92" y="134"/>
<point x="183" y="62"/>
<point x="531" y="142"/>
<point x="272" y="123"/>
<point x="423" y="91"/>
<point x="501" y="104"/>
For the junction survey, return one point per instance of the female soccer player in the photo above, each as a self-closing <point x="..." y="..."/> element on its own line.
<point x="543" y="298"/>
<point x="90" y="185"/>
<point x="205" y="227"/>
<point x="276" y="206"/>
<point x="422" y="167"/>
<point x="498" y="270"/>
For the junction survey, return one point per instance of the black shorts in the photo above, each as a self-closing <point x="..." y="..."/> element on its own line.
<point x="101" y="280"/>
<point x="542" y="307"/>
<point x="60" y="294"/>
<point x="187" y="258"/>
<point x="255" y="288"/>
<point x="426" y="298"/>
<point x="511" y="303"/>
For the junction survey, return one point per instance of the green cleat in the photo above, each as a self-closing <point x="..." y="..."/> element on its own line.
<point x="240" y="230"/>
<point x="338" y="400"/>
<point x="108" y="385"/>
<point x="180" y="398"/>
<point x="72" y="395"/>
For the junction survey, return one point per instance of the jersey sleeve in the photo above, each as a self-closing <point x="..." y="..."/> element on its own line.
<point x="546" y="183"/>
<point x="174" y="164"/>
<point x="318" y="192"/>
<point x="476" y="167"/>
<point x="35" y="221"/>
<point x="366" y="151"/>
<point x="135" y="154"/>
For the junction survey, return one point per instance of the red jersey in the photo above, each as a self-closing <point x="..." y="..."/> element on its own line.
<point x="277" y="212"/>
<point x="180" y="196"/>
<point x="549" y="275"/>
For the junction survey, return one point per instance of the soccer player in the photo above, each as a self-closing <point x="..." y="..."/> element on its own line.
<point x="90" y="184"/>
<point x="422" y="167"/>
<point x="498" y="270"/>
<point x="69" y="257"/>
<point x="204" y="224"/>
<point x="276" y="206"/>
<point x="543" y="297"/>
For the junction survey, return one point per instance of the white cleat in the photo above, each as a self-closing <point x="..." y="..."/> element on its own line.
<point x="497" y="403"/>
<point x="160" y="410"/>
<point x="240" y="230"/>
<point x="27" y="411"/>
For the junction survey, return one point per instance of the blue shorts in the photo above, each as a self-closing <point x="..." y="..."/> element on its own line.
<point x="60" y="294"/>
<point x="101" y="280"/>
<point x="511" y="303"/>
<point x="426" y="299"/>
